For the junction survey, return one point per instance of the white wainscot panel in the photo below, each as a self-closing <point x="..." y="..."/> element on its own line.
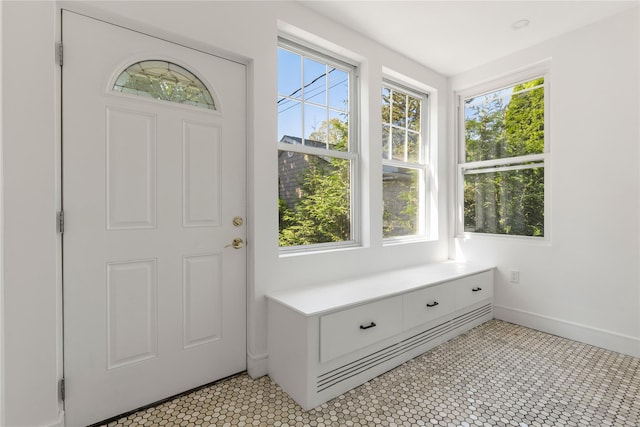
<point x="131" y="170"/>
<point x="202" y="286"/>
<point x="201" y="175"/>
<point x="132" y="312"/>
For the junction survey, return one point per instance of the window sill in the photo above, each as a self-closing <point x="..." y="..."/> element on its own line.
<point x="394" y="241"/>
<point x="295" y="251"/>
<point x="530" y="240"/>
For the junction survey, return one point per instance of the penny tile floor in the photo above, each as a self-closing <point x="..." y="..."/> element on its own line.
<point x="498" y="374"/>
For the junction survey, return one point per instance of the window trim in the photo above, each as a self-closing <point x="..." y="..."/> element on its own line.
<point x="353" y="154"/>
<point x="543" y="159"/>
<point x="423" y="164"/>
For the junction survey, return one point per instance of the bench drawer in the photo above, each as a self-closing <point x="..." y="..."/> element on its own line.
<point x="355" y="328"/>
<point x="428" y="304"/>
<point x="473" y="289"/>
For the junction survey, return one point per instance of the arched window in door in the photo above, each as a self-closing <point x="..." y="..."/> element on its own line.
<point x="165" y="81"/>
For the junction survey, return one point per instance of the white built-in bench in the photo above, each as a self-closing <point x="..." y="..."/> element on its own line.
<point x="327" y="339"/>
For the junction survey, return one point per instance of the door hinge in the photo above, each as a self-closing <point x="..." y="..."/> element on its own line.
<point x="59" y="55"/>
<point x="61" y="391"/>
<point x="61" y="222"/>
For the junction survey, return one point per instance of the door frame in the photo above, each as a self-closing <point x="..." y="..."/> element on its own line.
<point x="150" y="30"/>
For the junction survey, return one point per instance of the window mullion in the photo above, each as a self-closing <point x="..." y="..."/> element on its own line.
<point x="391" y="106"/>
<point x="326" y="104"/>
<point x="404" y="165"/>
<point x="314" y="151"/>
<point x="502" y="169"/>
<point x="303" y="100"/>
<point x="406" y="128"/>
<point x="503" y="161"/>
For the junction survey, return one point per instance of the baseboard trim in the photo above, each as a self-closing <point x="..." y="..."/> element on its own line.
<point x="257" y="365"/>
<point x="609" y="340"/>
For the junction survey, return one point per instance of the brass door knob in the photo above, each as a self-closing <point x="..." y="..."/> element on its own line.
<point x="237" y="243"/>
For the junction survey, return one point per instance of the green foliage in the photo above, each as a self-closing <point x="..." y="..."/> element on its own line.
<point x="334" y="132"/>
<point x="400" y="121"/>
<point x="322" y="212"/>
<point x="484" y="132"/>
<point x="507" y="202"/>
<point x="524" y="120"/>
<point x="401" y="204"/>
<point x="400" y="109"/>
<point x="401" y="114"/>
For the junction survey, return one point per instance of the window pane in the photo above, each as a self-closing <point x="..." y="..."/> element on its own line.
<point x="338" y="138"/>
<point x="385" y="142"/>
<point x="289" y="74"/>
<point x="289" y="120"/>
<point x="165" y="81"/>
<point x="338" y="89"/>
<point x="314" y="199"/>
<point x="401" y="201"/>
<point x="505" y="123"/>
<point x="315" y="126"/>
<point x="413" y="147"/>
<point x="509" y="202"/>
<point x="314" y="190"/>
<point x="386" y="104"/>
<point x="413" y="114"/>
<point x="405" y="130"/>
<point x="524" y="123"/>
<point x="315" y="81"/>
<point x="398" y="137"/>
<point x="399" y="109"/>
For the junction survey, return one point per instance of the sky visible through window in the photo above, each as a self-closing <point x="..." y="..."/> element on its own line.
<point x="471" y="113"/>
<point x="310" y="94"/>
<point x="474" y="106"/>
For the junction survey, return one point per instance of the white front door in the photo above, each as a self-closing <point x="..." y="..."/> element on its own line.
<point x="153" y="197"/>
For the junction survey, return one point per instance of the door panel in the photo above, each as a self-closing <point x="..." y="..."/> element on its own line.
<point x="202" y="287"/>
<point x="131" y="312"/>
<point x="131" y="169"/>
<point x="202" y="180"/>
<point x="154" y="296"/>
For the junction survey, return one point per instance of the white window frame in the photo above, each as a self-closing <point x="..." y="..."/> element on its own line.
<point x="503" y="164"/>
<point x="422" y="165"/>
<point x="352" y="154"/>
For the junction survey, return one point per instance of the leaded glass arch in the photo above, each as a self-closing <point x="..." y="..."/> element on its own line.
<point x="166" y="81"/>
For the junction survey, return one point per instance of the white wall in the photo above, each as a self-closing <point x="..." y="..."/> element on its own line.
<point x="30" y="147"/>
<point x="584" y="284"/>
<point x="31" y="316"/>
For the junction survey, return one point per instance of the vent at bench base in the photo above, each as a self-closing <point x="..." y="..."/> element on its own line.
<point x="336" y="376"/>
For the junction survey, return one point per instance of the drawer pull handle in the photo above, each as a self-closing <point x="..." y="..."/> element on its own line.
<point x="478" y="289"/>
<point x="433" y="304"/>
<point x="371" y="325"/>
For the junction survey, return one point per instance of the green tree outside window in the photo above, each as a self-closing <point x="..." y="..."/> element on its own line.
<point x="508" y="124"/>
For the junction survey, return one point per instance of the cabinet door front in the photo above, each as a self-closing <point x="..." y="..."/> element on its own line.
<point x="428" y="304"/>
<point x="473" y="289"/>
<point x="355" y="328"/>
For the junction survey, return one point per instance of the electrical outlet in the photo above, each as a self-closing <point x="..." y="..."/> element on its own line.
<point x="515" y="276"/>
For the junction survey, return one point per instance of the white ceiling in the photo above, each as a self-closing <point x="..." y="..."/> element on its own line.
<point x="455" y="36"/>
